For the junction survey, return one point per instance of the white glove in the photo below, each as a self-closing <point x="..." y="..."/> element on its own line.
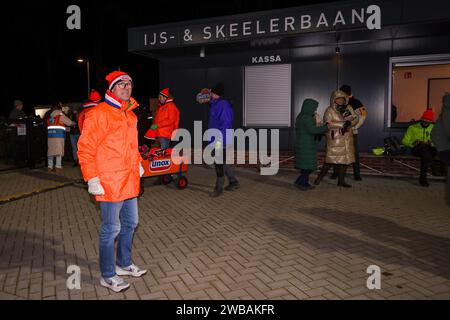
<point x="95" y="187"/>
<point x="141" y="170"/>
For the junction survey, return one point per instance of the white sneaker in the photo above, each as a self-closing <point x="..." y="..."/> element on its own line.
<point x="116" y="283"/>
<point x="132" y="270"/>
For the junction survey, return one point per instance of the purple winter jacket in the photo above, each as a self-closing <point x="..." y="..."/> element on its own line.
<point x="221" y="118"/>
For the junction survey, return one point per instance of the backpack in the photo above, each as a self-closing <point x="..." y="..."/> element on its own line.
<point x="393" y="147"/>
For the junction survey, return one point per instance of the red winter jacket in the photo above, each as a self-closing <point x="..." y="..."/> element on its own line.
<point x="167" y="119"/>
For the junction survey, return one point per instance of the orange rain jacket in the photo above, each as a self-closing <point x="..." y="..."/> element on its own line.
<point x="108" y="149"/>
<point x="167" y="119"/>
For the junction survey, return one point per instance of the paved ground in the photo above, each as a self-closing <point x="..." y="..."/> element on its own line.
<point x="266" y="241"/>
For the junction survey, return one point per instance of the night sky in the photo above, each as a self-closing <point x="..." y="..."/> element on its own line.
<point x="40" y="54"/>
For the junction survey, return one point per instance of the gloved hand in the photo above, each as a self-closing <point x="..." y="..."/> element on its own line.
<point x="95" y="187"/>
<point x="154" y="127"/>
<point x="141" y="170"/>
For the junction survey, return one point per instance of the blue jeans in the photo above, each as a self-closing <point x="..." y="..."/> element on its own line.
<point x="120" y="219"/>
<point x="74" y="141"/>
<point x="164" y="142"/>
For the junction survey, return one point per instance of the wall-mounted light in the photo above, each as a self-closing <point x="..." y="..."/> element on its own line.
<point x="202" y="53"/>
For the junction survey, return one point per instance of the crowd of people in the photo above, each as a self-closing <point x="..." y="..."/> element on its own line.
<point x="104" y="138"/>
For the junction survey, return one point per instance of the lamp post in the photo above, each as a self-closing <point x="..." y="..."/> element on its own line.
<point x="88" y="73"/>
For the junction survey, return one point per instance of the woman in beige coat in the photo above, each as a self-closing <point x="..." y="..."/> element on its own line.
<point x="340" y="150"/>
<point x="56" y="135"/>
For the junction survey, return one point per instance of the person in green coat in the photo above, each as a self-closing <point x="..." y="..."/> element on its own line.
<point x="307" y="130"/>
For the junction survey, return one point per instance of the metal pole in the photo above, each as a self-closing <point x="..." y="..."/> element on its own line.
<point x="88" y="76"/>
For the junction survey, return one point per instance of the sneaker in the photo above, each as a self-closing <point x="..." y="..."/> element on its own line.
<point x="233" y="186"/>
<point x="116" y="283"/>
<point x="132" y="270"/>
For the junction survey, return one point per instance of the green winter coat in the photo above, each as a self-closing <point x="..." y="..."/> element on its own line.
<point x="441" y="131"/>
<point x="417" y="133"/>
<point x="306" y="132"/>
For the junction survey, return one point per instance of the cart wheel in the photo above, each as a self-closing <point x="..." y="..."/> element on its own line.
<point x="182" y="183"/>
<point x="166" y="180"/>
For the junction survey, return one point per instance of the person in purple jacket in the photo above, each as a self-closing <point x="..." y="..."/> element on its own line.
<point x="221" y="118"/>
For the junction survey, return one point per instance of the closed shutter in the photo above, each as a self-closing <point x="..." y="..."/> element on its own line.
<point x="267" y="96"/>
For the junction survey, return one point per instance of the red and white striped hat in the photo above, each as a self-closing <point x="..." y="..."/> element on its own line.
<point x="115" y="77"/>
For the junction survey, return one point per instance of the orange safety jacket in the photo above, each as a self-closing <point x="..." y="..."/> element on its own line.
<point x="108" y="148"/>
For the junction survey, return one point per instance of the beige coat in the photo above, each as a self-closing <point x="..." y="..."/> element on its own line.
<point x="340" y="148"/>
<point x="56" y="145"/>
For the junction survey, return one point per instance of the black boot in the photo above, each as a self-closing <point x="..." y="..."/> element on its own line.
<point x="423" y="180"/>
<point x="218" y="190"/>
<point x="341" y="176"/>
<point x="233" y="186"/>
<point x="334" y="175"/>
<point x="424" y="164"/>
<point x="322" y="174"/>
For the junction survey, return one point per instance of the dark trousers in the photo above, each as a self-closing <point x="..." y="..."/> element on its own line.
<point x="303" y="179"/>
<point x="426" y="153"/>
<point x="340" y="169"/>
<point x="222" y="170"/>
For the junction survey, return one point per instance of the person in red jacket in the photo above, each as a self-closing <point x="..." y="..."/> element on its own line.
<point x="166" y="122"/>
<point x="167" y="119"/>
<point x="94" y="99"/>
<point x="111" y="164"/>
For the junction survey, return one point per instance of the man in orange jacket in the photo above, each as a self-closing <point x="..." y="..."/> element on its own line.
<point x="166" y="122"/>
<point x="167" y="119"/>
<point x="111" y="164"/>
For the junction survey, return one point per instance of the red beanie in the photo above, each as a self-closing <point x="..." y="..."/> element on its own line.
<point x="165" y="92"/>
<point x="95" y="96"/>
<point x="115" y="77"/>
<point x="428" y="115"/>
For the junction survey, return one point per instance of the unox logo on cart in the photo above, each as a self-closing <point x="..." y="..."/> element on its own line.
<point x="160" y="165"/>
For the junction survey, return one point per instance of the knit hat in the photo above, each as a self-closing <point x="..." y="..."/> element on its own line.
<point x="115" y="77"/>
<point x="95" y="96"/>
<point x="17" y="103"/>
<point x="346" y="89"/>
<point x="165" y="93"/>
<point x="428" y="116"/>
<point x="218" y="89"/>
